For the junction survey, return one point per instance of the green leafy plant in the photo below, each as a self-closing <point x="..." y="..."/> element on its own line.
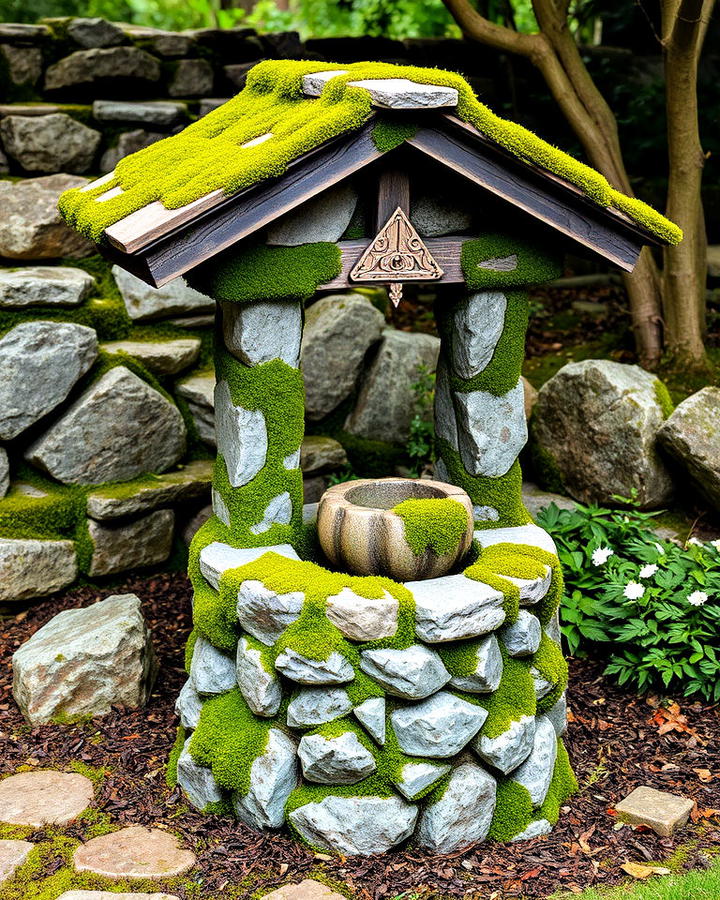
<point x="421" y="443"/>
<point x="649" y="606"/>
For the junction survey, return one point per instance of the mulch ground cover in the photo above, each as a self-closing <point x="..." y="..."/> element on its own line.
<point x="616" y="742"/>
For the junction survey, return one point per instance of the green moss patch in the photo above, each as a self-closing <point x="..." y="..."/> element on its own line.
<point x="563" y="785"/>
<point x="433" y="524"/>
<point x="513" y="811"/>
<point x="535" y="265"/>
<point x="391" y="131"/>
<point x="552" y="665"/>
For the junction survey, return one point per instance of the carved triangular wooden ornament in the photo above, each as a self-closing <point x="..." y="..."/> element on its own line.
<point x="396" y="254"/>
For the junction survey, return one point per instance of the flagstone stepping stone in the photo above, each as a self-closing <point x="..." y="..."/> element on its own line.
<point x="44" y="798"/>
<point x="304" y="890"/>
<point x="111" y="895"/>
<point x="134" y="852"/>
<point x="12" y="855"/>
<point x="661" y="811"/>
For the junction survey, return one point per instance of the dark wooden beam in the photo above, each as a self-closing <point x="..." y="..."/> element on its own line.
<point x="393" y="191"/>
<point x="547" y="199"/>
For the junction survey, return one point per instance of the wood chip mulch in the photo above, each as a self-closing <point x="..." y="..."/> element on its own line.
<point x="616" y="742"/>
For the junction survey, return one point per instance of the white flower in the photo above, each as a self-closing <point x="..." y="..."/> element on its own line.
<point x="697" y="598"/>
<point x="648" y="571"/>
<point x="716" y="544"/>
<point x="695" y="541"/>
<point x="633" y="590"/>
<point x="601" y="555"/>
<point x="660" y="549"/>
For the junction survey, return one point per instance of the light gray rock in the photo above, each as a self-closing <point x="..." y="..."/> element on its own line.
<point x="277" y="512"/>
<point x="333" y="670"/>
<point x="119" y="428"/>
<point x="541" y="684"/>
<point x="4" y="472"/>
<point x="415" y="778"/>
<point x="387" y="402"/>
<point x="42" y="361"/>
<point x="144" y="302"/>
<point x="263" y="330"/>
<point x="148" y="112"/>
<point x="363" y="618"/>
<point x="320" y="454"/>
<point x="438" y="727"/>
<point x="95" y="32"/>
<point x="691" y="435"/>
<point x="211" y="670"/>
<point x="522" y="638"/>
<point x="129" y="142"/>
<point x="517" y="534"/>
<point x="355" y="826"/>
<point x="323" y="218"/>
<point x="435" y="215"/>
<point x="44" y="286"/>
<point x="31" y="227"/>
<point x="84" y="661"/>
<point x="273" y="777"/>
<point x="197" y="782"/>
<point x="337" y="760"/>
<point x="53" y="143"/>
<point x="536" y="828"/>
<point x="491" y="430"/>
<point x="192" y="78"/>
<point x="536" y="499"/>
<point x="241" y="435"/>
<point x="161" y="357"/>
<point x="462" y="816"/>
<point x="597" y="422"/>
<point x="532" y="590"/>
<point x="339" y="330"/>
<point x="119" y="546"/>
<point x="265" y="614"/>
<point x="412" y="673"/>
<point x="477" y="323"/>
<point x="509" y="749"/>
<point x="34" y="568"/>
<point x="220" y="507"/>
<point x="188" y="706"/>
<point x="259" y="686"/>
<point x="558" y="715"/>
<point x="24" y="64"/>
<point x="371" y="715"/>
<point x="535" y="774"/>
<point x="445" y="419"/>
<point x="388" y="93"/>
<point x="488" y="668"/>
<point x="292" y="460"/>
<point x="454" y="607"/>
<point x="86" y="67"/>
<point x="217" y="558"/>
<point x="198" y="390"/>
<point x="191" y="482"/>
<point x="314" y="706"/>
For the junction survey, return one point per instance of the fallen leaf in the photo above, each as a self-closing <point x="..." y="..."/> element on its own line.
<point x="639" y="870"/>
<point x="704" y="775"/>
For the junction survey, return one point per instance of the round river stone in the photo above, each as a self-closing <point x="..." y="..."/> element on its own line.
<point x="44" y="798"/>
<point x="134" y="852"/>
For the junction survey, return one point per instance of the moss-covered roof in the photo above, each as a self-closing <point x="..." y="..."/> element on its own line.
<point x="210" y="154"/>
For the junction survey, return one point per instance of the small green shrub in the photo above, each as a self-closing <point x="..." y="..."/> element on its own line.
<point x="649" y="606"/>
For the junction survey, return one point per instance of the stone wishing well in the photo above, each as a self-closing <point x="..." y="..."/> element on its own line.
<point x="363" y="710"/>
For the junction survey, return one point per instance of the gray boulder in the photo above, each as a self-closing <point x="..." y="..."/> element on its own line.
<point x="197" y="782"/>
<point x="84" y="661"/>
<point x="263" y="330"/>
<point x="536" y="828"/>
<point x="314" y="706"/>
<point x="333" y="670"/>
<point x="198" y="390"/>
<point x="273" y="777"/>
<point x="453" y="607"/>
<point x="119" y="546"/>
<point x="417" y="777"/>
<point x="119" y="428"/>
<point x="42" y="361"/>
<point x="4" y="472"/>
<point x="535" y="774"/>
<point x="508" y="750"/>
<point x="371" y="715"/>
<point x="488" y="670"/>
<point x="355" y="826"/>
<point x="434" y="215"/>
<point x="462" y="816"/>
<point x="211" y="670"/>
<point x="148" y="112"/>
<point x="31" y="227"/>
<point x="323" y="218"/>
<point x="144" y="303"/>
<point x="44" y="286"/>
<point x="259" y="686"/>
<point x="387" y="402"/>
<point x="266" y="614"/>
<point x="491" y="430"/>
<point x="320" y="454"/>
<point x="337" y="760"/>
<point x="160" y="357"/>
<point x="541" y="684"/>
<point x="438" y="727"/>
<point x="691" y="435"/>
<point x="84" y="68"/>
<point x="188" y="706"/>
<point x="277" y="512"/>
<point x="522" y="638"/>
<point x="34" y="568"/>
<point x="595" y="424"/>
<point x="53" y="143"/>
<point x="191" y="78"/>
<point x="24" y="64"/>
<point x="363" y="618"/>
<point x="339" y="330"/>
<point x="477" y="324"/>
<point x="412" y="673"/>
<point x="558" y="715"/>
<point x="241" y="436"/>
<point x="95" y="32"/>
<point x="128" y="142"/>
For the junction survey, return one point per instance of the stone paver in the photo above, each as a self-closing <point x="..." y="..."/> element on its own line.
<point x="304" y="890"/>
<point x="12" y="855"/>
<point x="44" y="798"/>
<point x="134" y="852"/>
<point x="111" y="895"/>
<point x="659" y="810"/>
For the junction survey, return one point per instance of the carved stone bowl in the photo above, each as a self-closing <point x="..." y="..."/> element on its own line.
<point x="360" y="533"/>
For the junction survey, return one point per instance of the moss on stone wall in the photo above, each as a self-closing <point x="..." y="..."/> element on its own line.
<point x="535" y="264"/>
<point x="437" y="524"/>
